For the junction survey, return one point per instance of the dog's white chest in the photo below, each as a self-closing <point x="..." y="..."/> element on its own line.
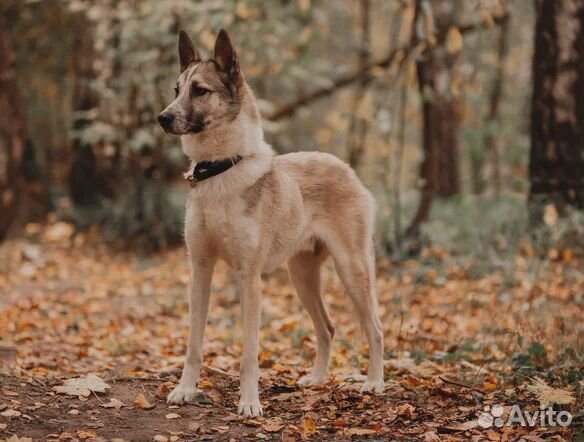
<point x="224" y="227"/>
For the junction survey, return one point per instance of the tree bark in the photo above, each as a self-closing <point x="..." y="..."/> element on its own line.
<point x="491" y="119"/>
<point x="86" y="185"/>
<point x="358" y="125"/>
<point x="556" y="168"/>
<point x="12" y="134"/>
<point x="439" y="171"/>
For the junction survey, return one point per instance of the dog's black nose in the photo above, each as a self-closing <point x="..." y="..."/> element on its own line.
<point x="165" y="119"/>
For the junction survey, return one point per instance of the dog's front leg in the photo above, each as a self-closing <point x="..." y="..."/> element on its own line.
<point x="250" y="294"/>
<point x="199" y="289"/>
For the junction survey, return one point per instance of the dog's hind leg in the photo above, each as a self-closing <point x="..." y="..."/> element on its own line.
<point x="304" y="270"/>
<point x="356" y="270"/>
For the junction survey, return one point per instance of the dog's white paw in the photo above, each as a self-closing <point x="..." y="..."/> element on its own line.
<point x="373" y="387"/>
<point x="183" y="394"/>
<point x="250" y="409"/>
<point x="311" y="380"/>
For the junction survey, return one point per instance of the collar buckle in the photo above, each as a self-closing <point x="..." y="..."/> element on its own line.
<point x="192" y="181"/>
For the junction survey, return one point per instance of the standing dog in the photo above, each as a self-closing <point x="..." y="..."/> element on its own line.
<point x="256" y="210"/>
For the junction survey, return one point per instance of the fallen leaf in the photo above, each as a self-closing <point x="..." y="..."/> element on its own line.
<point x="493" y="435"/>
<point x="59" y="232"/>
<point x="141" y="402"/>
<point x="431" y="436"/>
<point x="307" y="426"/>
<point x="163" y="390"/>
<point x="206" y="383"/>
<point x="74" y="412"/>
<point x="463" y="426"/>
<point x="288" y="435"/>
<point x="9" y="393"/>
<point x="361" y="432"/>
<point x="405" y="410"/>
<point x="82" y="386"/>
<point x="36" y="406"/>
<point x="113" y="403"/>
<point x="172" y="416"/>
<point x="548" y="395"/>
<point x="10" y="413"/>
<point x="85" y="434"/>
<point x="160" y="438"/>
<point x="272" y="426"/>
<point x="15" y="438"/>
<point x="3" y="426"/>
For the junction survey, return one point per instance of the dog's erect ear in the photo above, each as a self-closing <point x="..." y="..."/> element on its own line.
<point x="187" y="53"/>
<point x="225" y="55"/>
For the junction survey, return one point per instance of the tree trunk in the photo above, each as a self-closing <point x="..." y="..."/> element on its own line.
<point x="556" y="168"/>
<point x="358" y="125"/>
<point x="12" y="134"/>
<point x="86" y="185"/>
<point x="492" y="118"/>
<point x="439" y="169"/>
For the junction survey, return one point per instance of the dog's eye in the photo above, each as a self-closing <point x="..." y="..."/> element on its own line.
<point x="197" y="91"/>
<point x="176" y="91"/>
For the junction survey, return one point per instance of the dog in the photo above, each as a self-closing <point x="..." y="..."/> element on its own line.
<point x="256" y="210"/>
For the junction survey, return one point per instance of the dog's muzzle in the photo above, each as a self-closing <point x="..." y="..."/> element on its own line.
<point x="165" y="120"/>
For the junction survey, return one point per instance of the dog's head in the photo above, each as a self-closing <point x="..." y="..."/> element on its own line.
<point x="207" y="92"/>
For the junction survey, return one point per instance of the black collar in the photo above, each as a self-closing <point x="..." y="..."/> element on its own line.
<point x="208" y="169"/>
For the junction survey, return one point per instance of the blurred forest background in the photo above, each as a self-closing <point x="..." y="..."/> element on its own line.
<point x="457" y="114"/>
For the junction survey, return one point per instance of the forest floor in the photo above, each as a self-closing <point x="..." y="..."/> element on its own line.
<point x="457" y="340"/>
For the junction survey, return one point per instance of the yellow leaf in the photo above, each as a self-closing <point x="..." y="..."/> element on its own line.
<point x="454" y="41"/>
<point x="307" y="426"/>
<point x="85" y="434"/>
<point x="206" y="383"/>
<point x="490" y="385"/>
<point x="281" y="368"/>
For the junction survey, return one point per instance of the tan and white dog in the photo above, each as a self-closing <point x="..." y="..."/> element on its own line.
<point x="256" y="211"/>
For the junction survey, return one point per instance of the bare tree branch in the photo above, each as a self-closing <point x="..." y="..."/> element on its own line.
<point x="290" y="108"/>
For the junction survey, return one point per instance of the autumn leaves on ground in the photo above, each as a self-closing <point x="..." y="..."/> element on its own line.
<point x="92" y="340"/>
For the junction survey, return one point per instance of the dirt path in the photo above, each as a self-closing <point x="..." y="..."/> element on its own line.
<point x="290" y="413"/>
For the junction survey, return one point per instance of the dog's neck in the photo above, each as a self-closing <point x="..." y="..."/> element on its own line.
<point x="243" y="136"/>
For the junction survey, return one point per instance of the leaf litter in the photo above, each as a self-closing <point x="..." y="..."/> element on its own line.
<point x="454" y="343"/>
